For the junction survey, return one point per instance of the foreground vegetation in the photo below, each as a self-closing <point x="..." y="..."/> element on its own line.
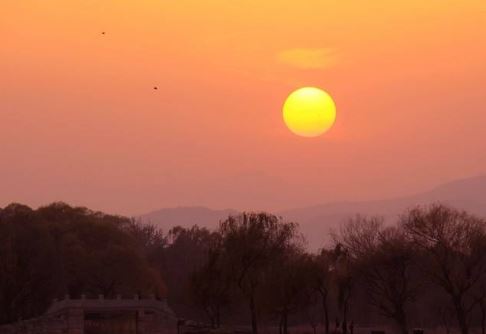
<point x="428" y="269"/>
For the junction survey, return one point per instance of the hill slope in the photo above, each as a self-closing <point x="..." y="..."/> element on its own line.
<point x="186" y="217"/>
<point x="316" y="221"/>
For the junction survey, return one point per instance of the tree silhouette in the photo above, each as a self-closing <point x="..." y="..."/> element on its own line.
<point x="454" y="245"/>
<point x="252" y="241"/>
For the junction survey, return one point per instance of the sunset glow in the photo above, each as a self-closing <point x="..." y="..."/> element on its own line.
<point x="242" y="166"/>
<point x="132" y="105"/>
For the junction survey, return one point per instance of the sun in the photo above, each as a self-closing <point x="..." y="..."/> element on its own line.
<point x="309" y="112"/>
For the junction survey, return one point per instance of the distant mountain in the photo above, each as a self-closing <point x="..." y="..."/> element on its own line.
<point x="186" y="217"/>
<point x="316" y="221"/>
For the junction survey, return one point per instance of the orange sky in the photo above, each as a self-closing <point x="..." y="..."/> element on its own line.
<point x="81" y="122"/>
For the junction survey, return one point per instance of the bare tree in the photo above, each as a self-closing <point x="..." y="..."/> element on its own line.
<point x="344" y="276"/>
<point x="391" y="278"/>
<point x="480" y="299"/>
<point x="320" y="277"/>
<point x="385" y="261"/>
<point x="287" y="288"/>
<point x="479" y="293"/>
<point x="453" y="242"/>
<point x="252" y="241"/>
<point x="211" y="283"/>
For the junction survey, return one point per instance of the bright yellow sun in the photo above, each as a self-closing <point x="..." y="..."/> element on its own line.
<point x="309" y="112"/>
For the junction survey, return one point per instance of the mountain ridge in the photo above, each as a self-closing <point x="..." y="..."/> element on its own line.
<point x="317" y="220"/>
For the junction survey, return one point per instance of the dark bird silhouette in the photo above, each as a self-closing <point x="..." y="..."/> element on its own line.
<point x="103" y="33"/>
<point x="155" y="87"/>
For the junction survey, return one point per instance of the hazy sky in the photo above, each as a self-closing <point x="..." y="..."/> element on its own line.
<point x="81" y="122"/>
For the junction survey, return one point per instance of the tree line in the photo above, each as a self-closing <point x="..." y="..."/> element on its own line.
<point x="428" y="269"/>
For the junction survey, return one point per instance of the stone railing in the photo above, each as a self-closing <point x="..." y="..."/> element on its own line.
<point x="107" y="304"/>
<point x="69" y="316"/>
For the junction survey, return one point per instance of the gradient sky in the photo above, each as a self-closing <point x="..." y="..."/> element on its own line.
<point x="81" y="122"/>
